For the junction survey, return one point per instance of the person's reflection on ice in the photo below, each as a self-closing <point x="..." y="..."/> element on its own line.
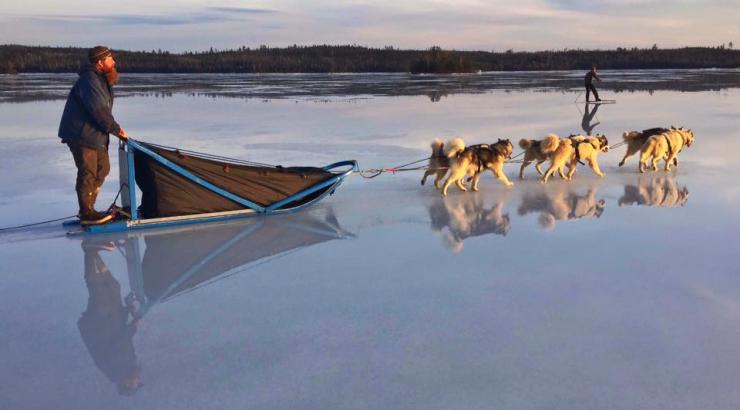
<point x="104" y="326"/>
<point x="588" y="116"/>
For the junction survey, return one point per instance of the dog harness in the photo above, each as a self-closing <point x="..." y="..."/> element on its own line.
<point x="578" y="144"/>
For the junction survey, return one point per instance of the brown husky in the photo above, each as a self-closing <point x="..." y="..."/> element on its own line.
<point x="438" y="163"/>
<point x="665" y="146"/>
<point x="560" y="151"/>
<point x="474" y="160"/>
<point x="532" y="152"/>
<point x="587" y="149"/>
<point x="636" y="139"/>
<point x="572" y="150"/>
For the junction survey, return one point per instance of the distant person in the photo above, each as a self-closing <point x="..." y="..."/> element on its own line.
<point x="86" y="124"/>
<point x="588" y="116"/>
<point x="590" y="76"/>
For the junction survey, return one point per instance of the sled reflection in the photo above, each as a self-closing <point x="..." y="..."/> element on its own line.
<point x="655" y="190"/>
<point x="459" y="217"/>
<point x="175" y="262"/>
<point x="163" y="264"/>
<point x="561" y="202"/>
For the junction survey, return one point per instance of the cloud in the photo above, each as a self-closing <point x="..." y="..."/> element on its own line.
<point x="242" y="10"/>
<point x="592" y="6"/>
<point x="466" y="24"/>
<point x="210" y="15"/>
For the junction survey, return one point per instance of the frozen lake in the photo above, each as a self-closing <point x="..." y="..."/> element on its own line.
<point x="620" y="293"/>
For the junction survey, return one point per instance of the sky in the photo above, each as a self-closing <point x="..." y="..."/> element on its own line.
<point x="496" y="25"/>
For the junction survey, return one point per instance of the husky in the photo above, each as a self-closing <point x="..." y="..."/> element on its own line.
<point x="665" y="146"/>
<point x="438" y="163"/>
<point x="532" y="152"/>
<point x="572" y="150"/>
<point x="560" y="152"/>
<point x="587" y="148"/>
<point x="636" y="139"/>
<point x="474" y="160"/>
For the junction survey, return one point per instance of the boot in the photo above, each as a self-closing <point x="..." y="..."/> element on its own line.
<point x="88" y="214"/>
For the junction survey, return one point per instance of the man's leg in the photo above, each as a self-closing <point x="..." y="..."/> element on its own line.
<point x="596" y="93"/>
<point x="87" y="161"/>
<point x="85" y="182"/>
<point x="588" y="92"/>
<point x="102" y="170"/>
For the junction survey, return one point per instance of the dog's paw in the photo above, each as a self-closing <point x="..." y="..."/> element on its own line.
<point x="621" y="163"/>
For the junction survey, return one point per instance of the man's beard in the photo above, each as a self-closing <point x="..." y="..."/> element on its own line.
<point x="111" y="76"/>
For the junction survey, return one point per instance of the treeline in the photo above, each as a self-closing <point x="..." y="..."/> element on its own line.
<point x="351" y="58"/>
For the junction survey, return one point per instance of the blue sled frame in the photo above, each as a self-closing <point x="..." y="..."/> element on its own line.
<point x="127" y="177"/>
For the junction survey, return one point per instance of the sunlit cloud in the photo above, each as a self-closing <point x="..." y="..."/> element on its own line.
<point x="463" y="24"/>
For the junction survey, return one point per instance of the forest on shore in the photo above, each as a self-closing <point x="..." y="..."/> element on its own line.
<point x="353" y="58"/>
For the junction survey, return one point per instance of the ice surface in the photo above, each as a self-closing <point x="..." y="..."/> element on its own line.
<point x="622" y="292"/>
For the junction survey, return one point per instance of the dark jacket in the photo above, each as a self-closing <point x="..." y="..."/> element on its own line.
<point x="88" y="113"/>
<point x="588" y="79"/>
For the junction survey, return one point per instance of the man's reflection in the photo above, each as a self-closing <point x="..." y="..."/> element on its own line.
<point x="588" y="116"/>
<point x="436" y="95"/>
<point x="463" y="216"/>
<point x="175" y="262"/>
<point x="655" y="190"/>
<point x="561" y="202"/>
<point x="105" y="326"/>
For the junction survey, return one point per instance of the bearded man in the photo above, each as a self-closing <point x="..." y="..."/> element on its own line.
<point x="85" y="127"/>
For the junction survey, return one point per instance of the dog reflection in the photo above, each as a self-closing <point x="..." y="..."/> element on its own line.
<point x="659" y="191"/>
<point x="561" y="203"/>
<point x="464" y="216"/>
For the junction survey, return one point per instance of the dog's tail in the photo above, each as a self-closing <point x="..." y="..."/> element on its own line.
<point x="550" y="144"/>
<point x="437" y="148"/>
<point x="454" y="147"/>
<point x="630" y="135"/>
<point x="525" y="143"/>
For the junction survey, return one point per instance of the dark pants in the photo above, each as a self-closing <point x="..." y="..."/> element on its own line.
<point x="93" y="166"/>
<point x="591" y="88"/>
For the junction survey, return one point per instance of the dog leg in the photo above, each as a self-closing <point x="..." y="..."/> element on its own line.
<point x="446" y="185"/>
<point x="438" y="178"/>
<point x="595" y="166"/>
<point x="630" y="152"/>
<point x="562" y="174"/>
<point x="655" y="163"/>
<point x="460" y="184"/>
<point x="426" y="174"/>
<point x="644" y="157"/>
<point x="524" y="165"/>
<point x="498" y="171"/>
<point x="549" y="172"/>
<point x="537" y="167"/>
<point x="625" y="158"/>
<point x="474" y="185"/>
<point x="672" y="160"/>
<point x="572" y="169"/>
